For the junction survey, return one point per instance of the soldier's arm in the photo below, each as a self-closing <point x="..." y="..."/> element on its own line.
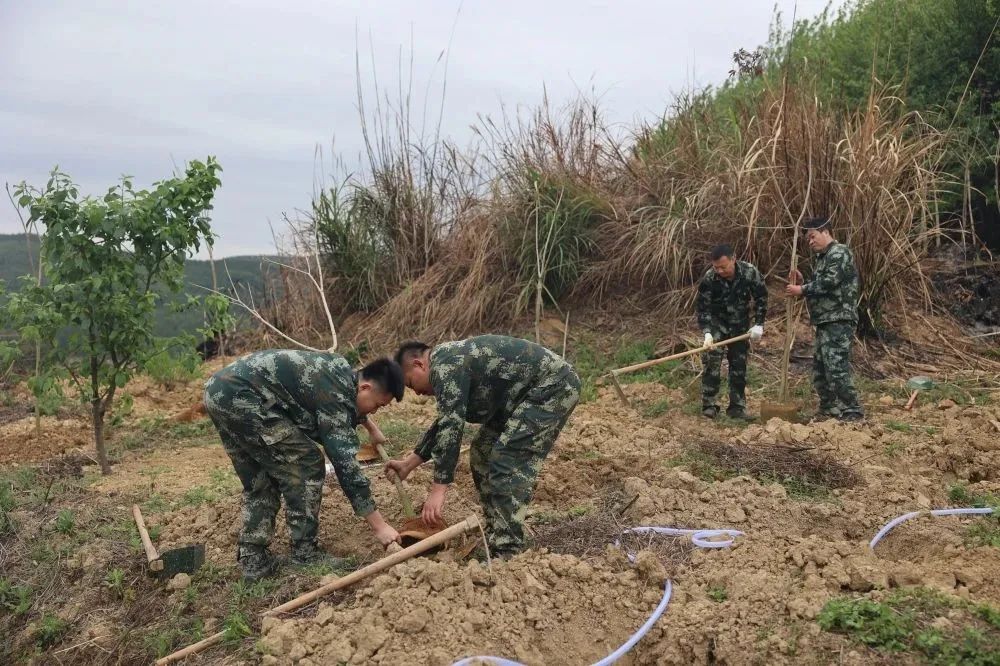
<point x="702" y="305"/>
<point x="425" y="447"/>
<point x="340" y="441"/>
<point x="452" y="392"/>
<point x="828" y="278"/>
<point x="759" y="290"/>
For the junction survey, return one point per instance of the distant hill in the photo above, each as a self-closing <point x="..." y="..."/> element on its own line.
<point x="245" y="272"/>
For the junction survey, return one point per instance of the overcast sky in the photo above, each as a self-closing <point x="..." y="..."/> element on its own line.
<point x="103" y="88"/>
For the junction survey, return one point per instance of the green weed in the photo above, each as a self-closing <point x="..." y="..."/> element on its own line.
<point x="15" y="598"/>
<point x="114" y="580"/>
<point x="903" y="623"/>
<point x="236" y="627"/>
<point x="657" y="408"/>
<point x="65" y="521"/>
<point x="50" y="630"/>
<point x="718" y="594"/>
<point x="244" y="591"/>
<point x="899" y="426"/>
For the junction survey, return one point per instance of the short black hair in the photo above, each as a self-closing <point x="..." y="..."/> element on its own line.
<point x="410" y="350"/>
<point x="387" y="374"/>
<point x="817" y="223"/>
<point x="722" y="250"/>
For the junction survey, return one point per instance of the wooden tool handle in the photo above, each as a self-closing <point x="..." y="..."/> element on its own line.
<point x="433" y="541"/>
<point x="152" y="556"/>
<point x="674" y="357"/>
<point x="913" y="399"/>
<point x="404" y="497"/>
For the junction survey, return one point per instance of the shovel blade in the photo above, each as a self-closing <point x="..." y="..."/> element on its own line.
<point x="783" y="411"/>
<point x="414" y="530"/>
<point x="367" y="453"/>
<point x="186" y="559"/>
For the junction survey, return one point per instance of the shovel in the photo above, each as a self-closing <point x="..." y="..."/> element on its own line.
<point x="672" y="357"/>
<point x="916" y="385"/>
<point x="413" y="529"/>
<point x="186" y="559"/>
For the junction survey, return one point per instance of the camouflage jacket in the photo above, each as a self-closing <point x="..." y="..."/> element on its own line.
<point x="317" y="392"/>
<point x="832" y="293"/>
<point x="724" y="305"/>
<point x="480" y="380"/>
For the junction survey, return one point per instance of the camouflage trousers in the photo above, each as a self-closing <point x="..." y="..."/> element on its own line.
<point x="832" y="369"/>
<point x="273" y="458"/>
<point x="711" y="377"/>
<point x="506" y="458"/>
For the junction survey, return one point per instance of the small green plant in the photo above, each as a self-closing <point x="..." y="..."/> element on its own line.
<point x="236" y="627"/>
<point x="892" y="450"/>
<point x="65" y="521"/>
<point x="243" y="591"/>
<point x="579" y="510"/>
<point x="15" y="598"/>
<point x="985" y="530"/>
<point x="114" y="580"/>
<point x="197" y="496"/>
<point x="176" y="363"/>
<point x="899" y="426"/>
<point x="718" y="594"/>
<point x="700" y="463"/>
<point x="7" y="504"/>
<point x="50" y="630"/>
<point x="657" y="408"/>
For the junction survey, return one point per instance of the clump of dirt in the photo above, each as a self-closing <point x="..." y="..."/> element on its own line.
<point x="539" y="608"/>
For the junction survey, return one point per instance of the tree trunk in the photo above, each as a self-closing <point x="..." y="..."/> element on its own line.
<point x="38" y="372"/>
<point x="97" y="409"/>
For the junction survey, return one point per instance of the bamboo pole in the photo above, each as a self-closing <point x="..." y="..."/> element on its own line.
<point x="470" y="523"/>
<point x="404" y="497"/>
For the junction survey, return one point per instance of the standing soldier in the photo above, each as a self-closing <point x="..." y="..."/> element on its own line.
<point x="521" y="392"/>
<point x="832" y="298"/>
<point x="271" y="408"/>
<point x="724" y="312"/>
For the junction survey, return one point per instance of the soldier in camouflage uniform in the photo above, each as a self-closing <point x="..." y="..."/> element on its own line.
<point x="832" y="298"/>
<point x="520" y="392"/>
<point x="723" y="308"/>
<point x="273" y="409"/>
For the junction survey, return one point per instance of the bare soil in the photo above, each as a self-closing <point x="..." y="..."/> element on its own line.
<point x="753" y="603"/>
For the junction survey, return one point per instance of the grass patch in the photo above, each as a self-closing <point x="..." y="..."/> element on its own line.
<point x="984" y="530"/>
<point x="243" y="591"/>
<point x="908" y="621"/>
<point x="701" y="464"/>
<point x="718" y="594"/>
<point x="899" y="426"/>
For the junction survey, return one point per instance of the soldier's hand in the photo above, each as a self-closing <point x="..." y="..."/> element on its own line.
<point x="756" y="333"/>
<point x="387" y="535"/>
<point x="795" y="277"/>
<point x="433" y="511"/>
<point x="708" y="340"/>
<point x="401" y="468"/>
<point x="793" y="290"/>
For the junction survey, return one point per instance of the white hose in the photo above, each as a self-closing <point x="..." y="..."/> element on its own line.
<point x="892" y="524"/>
<point x="700" y="538"/>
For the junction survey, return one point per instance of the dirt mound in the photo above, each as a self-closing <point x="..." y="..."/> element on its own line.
<point x="538" y="608"/>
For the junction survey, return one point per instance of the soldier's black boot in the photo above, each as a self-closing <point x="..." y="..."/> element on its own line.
<point x="710" y="411"/>
<point x="257" y="562"/>
<point x="305" y="553"/>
